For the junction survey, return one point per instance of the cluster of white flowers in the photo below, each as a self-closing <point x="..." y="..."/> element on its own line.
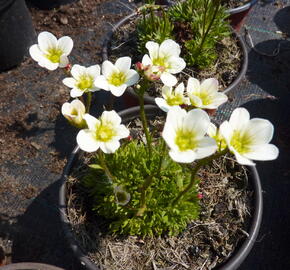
<point x="189" y="134"/>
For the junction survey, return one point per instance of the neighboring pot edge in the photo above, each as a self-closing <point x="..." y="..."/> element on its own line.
<point x="242" y="8"/>
<point x="231" y="264"/>
<point x="150" y="100"/>
<point x="30" y="266"/>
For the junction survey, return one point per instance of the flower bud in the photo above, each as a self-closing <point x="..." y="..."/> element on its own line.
<point x="74" y="113"/>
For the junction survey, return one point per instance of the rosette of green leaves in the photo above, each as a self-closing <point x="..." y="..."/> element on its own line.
<point x="199" y="25"/>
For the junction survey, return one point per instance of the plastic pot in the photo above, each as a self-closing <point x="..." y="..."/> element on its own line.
<point x="231" y="264"/>
<point x="49" y="4"/>
<point x="16" y="33"/>
<point x="238" y="15"/>
<point x="131" y="98"/>
<point x="29" y="266"/>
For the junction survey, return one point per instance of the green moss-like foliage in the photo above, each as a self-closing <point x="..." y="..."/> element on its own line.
<point x="131" y="168"/>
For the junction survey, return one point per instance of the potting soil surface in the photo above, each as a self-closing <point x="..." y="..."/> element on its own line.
<point x="35" y="140"/>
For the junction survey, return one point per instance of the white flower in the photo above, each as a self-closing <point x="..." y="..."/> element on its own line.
<point x="82" y="80"/>
<point x="184" y="133"/>
<point x="50" y="52"/>
<point x="165" y="60"/>
<point x="116" y="78"/>
<point x="205" y="95"/>
<point x="74" y="112"/>
<point x="249" y="139"/>
<point x="171" y="98"/>
<point x="214" y="133"/>
<point x="104" y="133"/>
<point x="121" y="195"/>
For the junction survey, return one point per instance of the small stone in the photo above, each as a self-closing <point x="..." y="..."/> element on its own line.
<point x="64" y="20"/>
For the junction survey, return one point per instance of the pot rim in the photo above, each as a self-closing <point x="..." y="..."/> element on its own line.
<point x="151" y="100"/>
<point x="231" y="264"/>
<point x="242" y="8"/>
<point x="29" y="265"/>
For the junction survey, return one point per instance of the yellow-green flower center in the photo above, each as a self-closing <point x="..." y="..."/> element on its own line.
<point x="185" y="140"/>
<point x="161" y="61"/>
<point x="54" y="55"/>
<point x="206" y="99"/>
<point x="241" y="141"/>
<point x="174" y="100"/>
<point x="105" y="132"/>
<point x="117" y="78"/>
<point x="85" y="82"/>
<point x="74" y="112"/>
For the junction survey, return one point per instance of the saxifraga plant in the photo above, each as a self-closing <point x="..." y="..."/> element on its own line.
<point x="196" y="24"/>
<point x="155" y="25"/>
<point x="199" y="25"/>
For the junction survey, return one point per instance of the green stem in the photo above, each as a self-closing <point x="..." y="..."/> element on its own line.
<point x="209" y="27"/>
<point x="143" y="87"/>
<point x="89" y="101"/>
<point x="105" y="167"/>
<point x="149" y="181"/>
<point x="198" y="165"/>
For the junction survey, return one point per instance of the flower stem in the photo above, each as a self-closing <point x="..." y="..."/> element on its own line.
<point x="105" y="167"/>
<point x="141" y="91"/>
<point x="194" y="171"/>
<point x="88" y="101"/>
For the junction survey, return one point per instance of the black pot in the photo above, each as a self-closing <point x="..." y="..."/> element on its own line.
<point x="234" y="261"/>
<point x="238" y="15"/>
<point x="131" y="97"/>
<point x="29" y="266"/>
<point x="16" y="33"/>
<point x="49" y="4"/>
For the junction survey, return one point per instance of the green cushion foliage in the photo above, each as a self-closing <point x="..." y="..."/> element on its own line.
<point x="130" y="167"/>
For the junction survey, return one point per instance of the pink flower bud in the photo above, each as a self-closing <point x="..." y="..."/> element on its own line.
<point x="199" y="196"/>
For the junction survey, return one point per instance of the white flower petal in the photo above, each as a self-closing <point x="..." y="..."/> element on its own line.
<point x="63" y="61"/>
<point x="241" y="159"/>
<point x="162" y="104"/>
<point x="44" y="62"/>
<point x="65" y="44"/>
<point x="210" y="86"/>
<point x="87" y="141"/>
<point x="92" y="122"/>
<point x="77" y="71"/>
<point x="183" y="157"/>
<point x="179" y="90"/>
<point x="102" y="83"/>
<point x="153" y="49"/>
<point x="110" y="147"/>
<point x="118" y="90"/>
<point x="226" y="131"/>
<point x="239" y="118"/>
<point x="69" y="82"/>
<point x="196" y="101"/>
<point x="108" y="68"/>
<point x="146" y="60"/>
<point x="212" y="130"/>
<point x="197" y="121"/>
<point x="111" y="117"/>
<point x="169" y="48"/>
<point x="75" y="92"/>
<point x="193" y="85"/>
<point x="123" y="64"/>
<point x="76" y="103"/>
<point x="260" y="130"/>
<point x="168" y="79"/>
<point x="263" y="152"/>
<point x="94" y="71"/>
<point x="46" y="41"/>
<point x="176" y="64"/>
<point x="132" y="77"/>
<point x="123" y="132"/>
<point x="35" y="52"/>
<point x="206" y="147"/>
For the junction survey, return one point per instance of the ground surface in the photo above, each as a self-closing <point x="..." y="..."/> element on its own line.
<point x="35" y="140"/>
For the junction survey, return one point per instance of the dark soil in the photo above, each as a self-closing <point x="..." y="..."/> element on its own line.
<point x="225" y="69"/>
